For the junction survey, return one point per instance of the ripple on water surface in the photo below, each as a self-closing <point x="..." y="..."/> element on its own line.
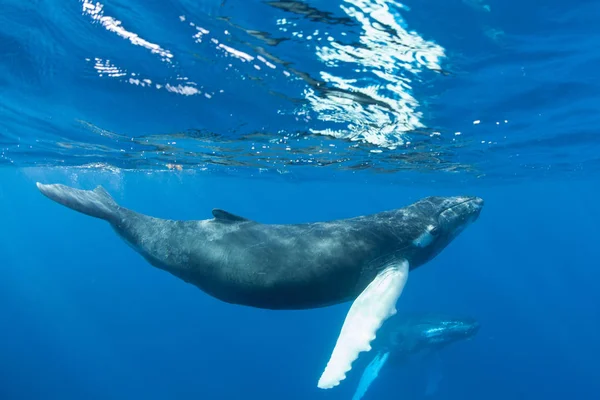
<point x="264" y="85"/>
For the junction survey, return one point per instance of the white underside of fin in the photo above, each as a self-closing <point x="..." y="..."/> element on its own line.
<point x="370" y="374"/>
<point x="368" y="312"/>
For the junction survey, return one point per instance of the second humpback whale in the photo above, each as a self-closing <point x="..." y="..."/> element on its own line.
<point x="406" y="335"/>
<point x="364" y="259"/>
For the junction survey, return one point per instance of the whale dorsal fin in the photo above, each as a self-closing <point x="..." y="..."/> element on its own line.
<point x="224" y="216"/>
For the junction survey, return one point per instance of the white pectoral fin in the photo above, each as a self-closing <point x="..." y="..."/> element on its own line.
<point x="370" y="374"/>
<point x="368" y="312"/>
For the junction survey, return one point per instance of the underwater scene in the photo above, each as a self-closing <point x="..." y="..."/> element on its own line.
<point x="299" y="199"/>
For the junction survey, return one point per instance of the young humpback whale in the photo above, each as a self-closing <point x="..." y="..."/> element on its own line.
<point x="364" y="259"/>
<point x="404" y="336"/>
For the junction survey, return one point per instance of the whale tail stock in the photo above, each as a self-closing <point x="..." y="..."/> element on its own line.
<point x="95" y="203"/>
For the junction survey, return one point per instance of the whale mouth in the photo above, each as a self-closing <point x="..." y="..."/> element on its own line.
<point x="471" y="200"/>
<point x="463" y="212"/>
<point x="471" y="203"/>
<point x="476" y="205"/>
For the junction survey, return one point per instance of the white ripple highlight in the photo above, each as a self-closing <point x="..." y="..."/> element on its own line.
<point x="105" y="68"/>
<point x="389" y="54"/>
<point x="96" y="12"/>
<point x="236" y="53"/>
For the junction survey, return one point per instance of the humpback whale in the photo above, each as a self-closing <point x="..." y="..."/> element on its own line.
<point x="406" y="335"/>
<point x="364" y="259"/>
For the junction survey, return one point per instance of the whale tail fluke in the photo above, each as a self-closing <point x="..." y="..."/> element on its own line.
<point x="95" y="203"/>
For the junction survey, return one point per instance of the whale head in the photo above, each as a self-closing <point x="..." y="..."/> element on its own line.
<point x="433" y="222"/>
<point x="411" y="333"/>
<point x="449" y="330"/>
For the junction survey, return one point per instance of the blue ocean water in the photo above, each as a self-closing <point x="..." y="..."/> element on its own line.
<point x="296" y="111"/>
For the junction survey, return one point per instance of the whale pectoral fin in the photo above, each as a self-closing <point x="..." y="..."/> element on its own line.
<point x="370" y="373"/>
<point x="368" y="312"/>
<point x="434" y="375"/>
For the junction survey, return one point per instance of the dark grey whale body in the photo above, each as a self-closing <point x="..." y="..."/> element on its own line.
<point x="296" y="266"/>
<point x="267" y="266"/>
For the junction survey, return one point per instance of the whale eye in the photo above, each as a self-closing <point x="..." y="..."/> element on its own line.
<point x="434" y="231"/>
<point x="426" y="237"/>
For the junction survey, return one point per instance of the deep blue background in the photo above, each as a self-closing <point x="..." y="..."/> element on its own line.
<point x="83" y="316"/>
